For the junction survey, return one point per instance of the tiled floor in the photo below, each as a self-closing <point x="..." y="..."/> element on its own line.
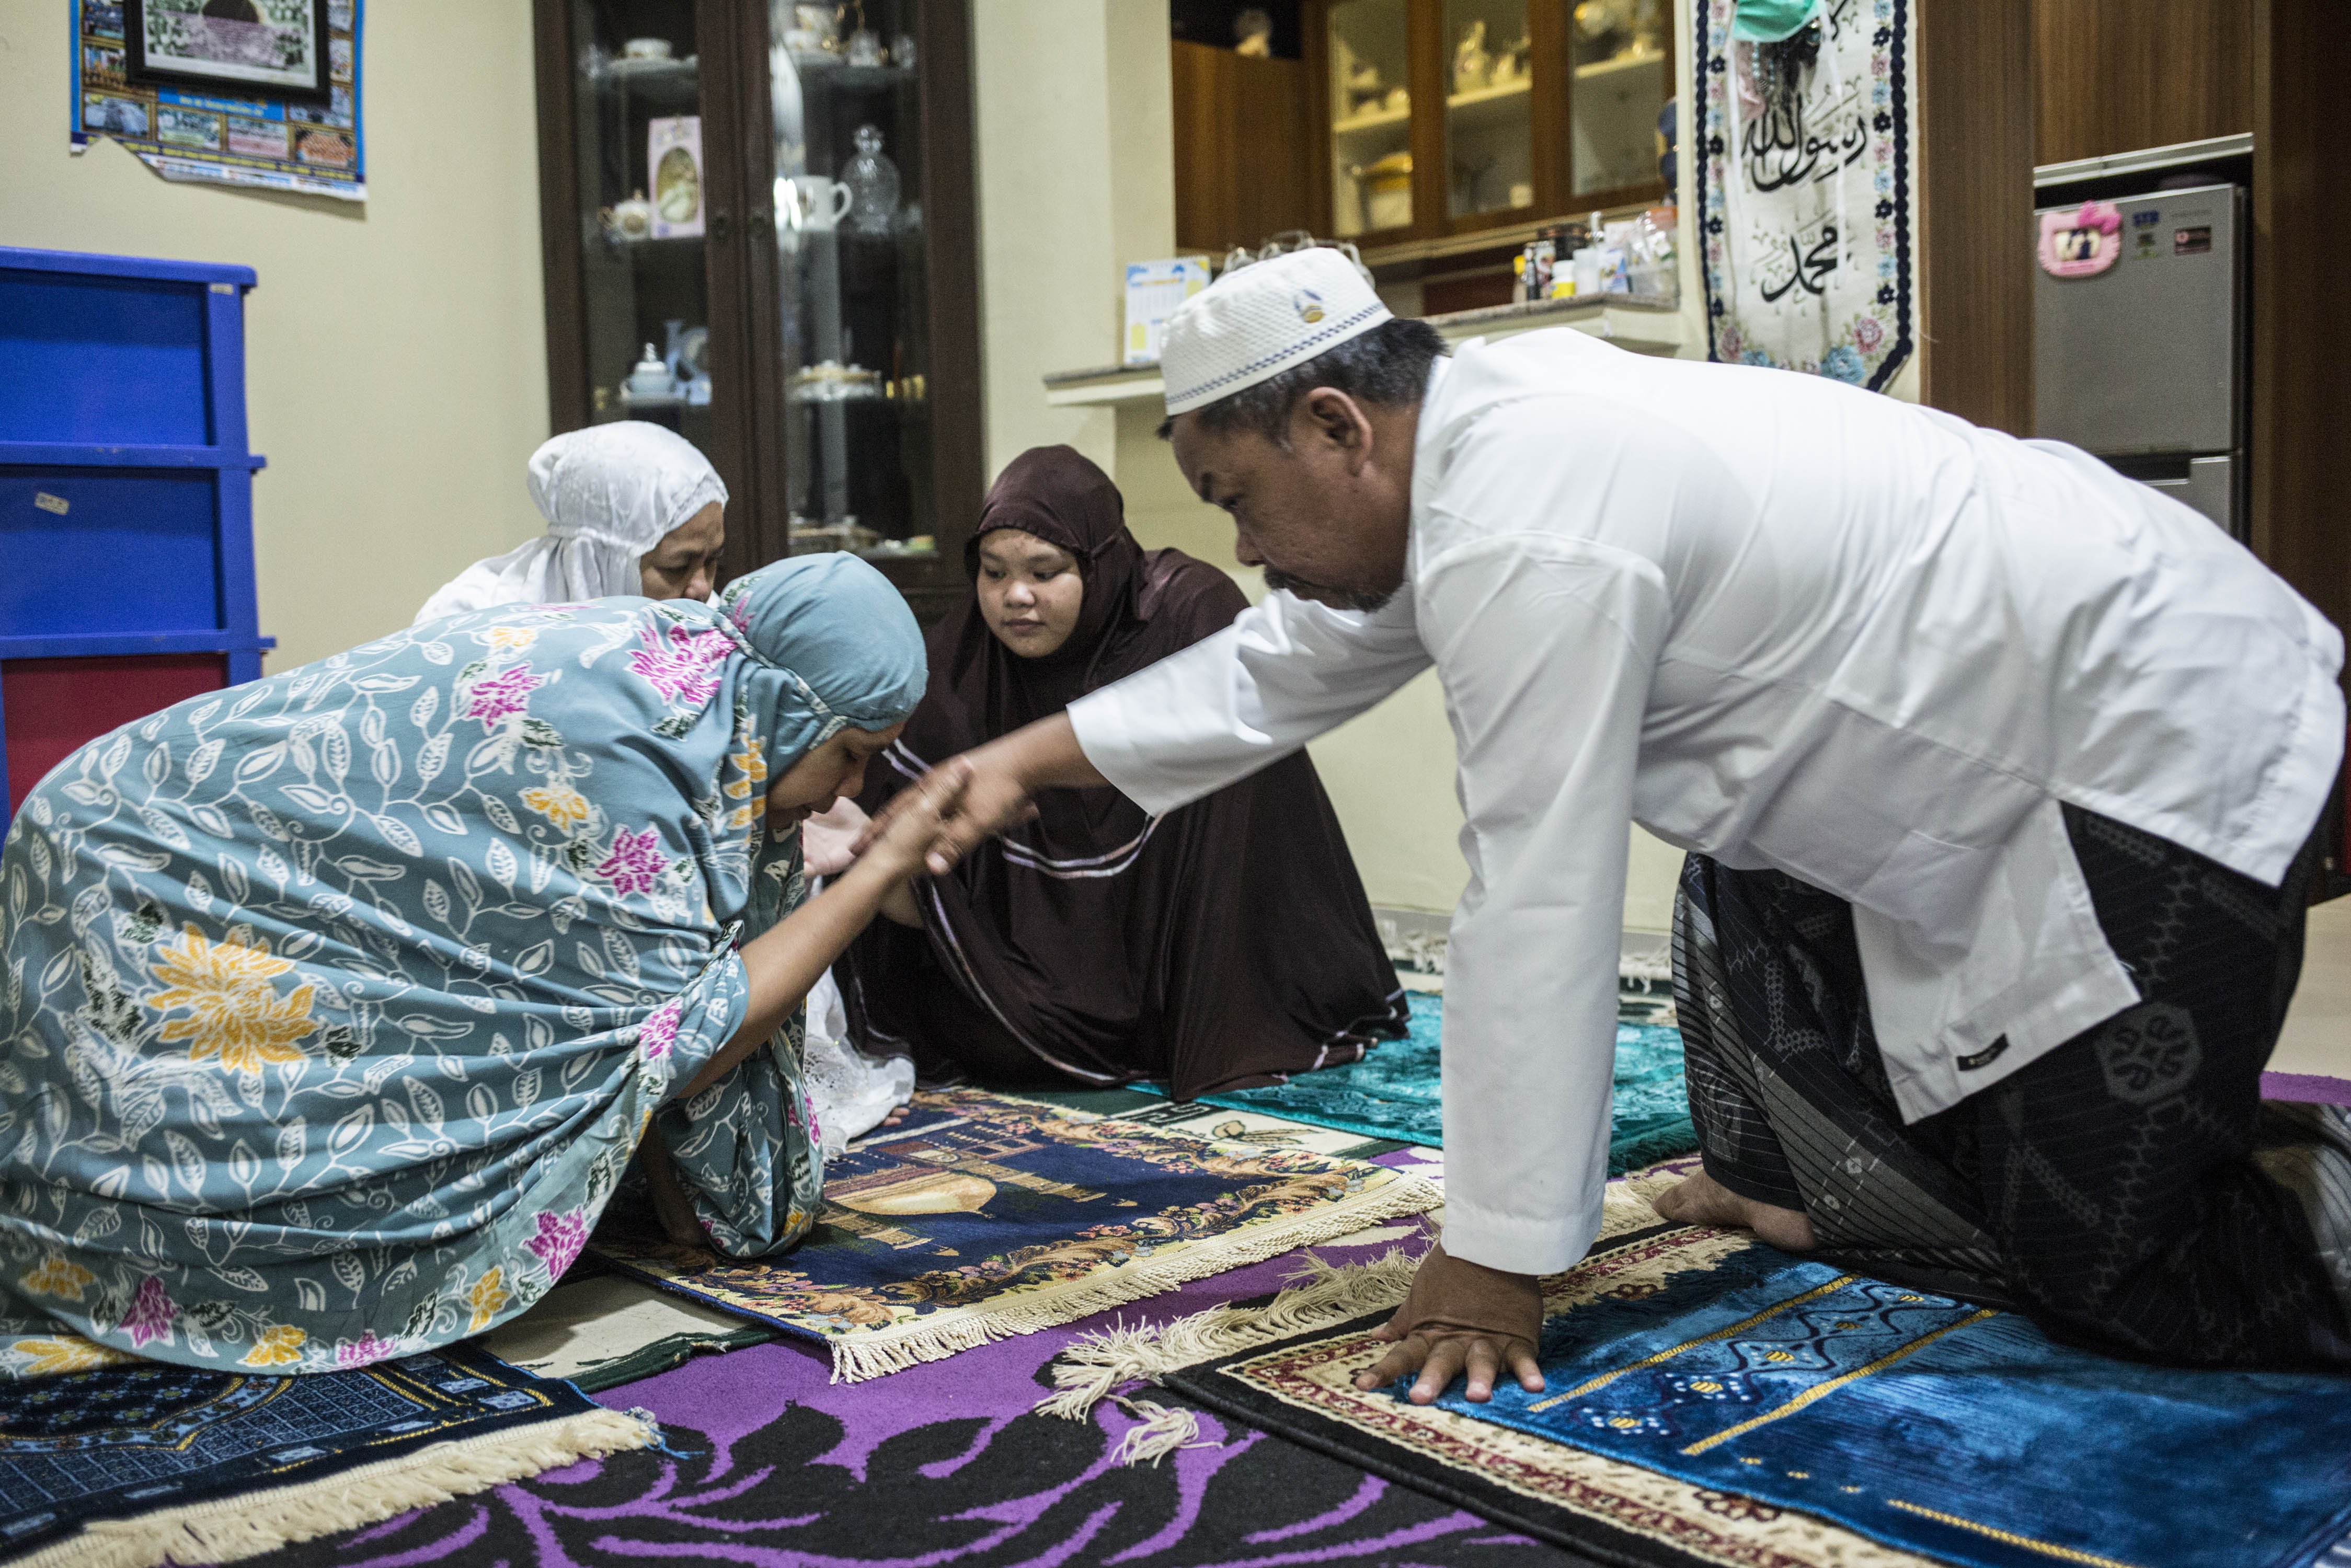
<point x="2317" y="1038"/>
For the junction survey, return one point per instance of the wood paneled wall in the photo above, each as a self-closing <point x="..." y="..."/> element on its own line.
<point x="2301" y="362"/>
<point x="1241" y="148"/>
<point x="2118" y="75"/>
<point x="1975" y="194"/>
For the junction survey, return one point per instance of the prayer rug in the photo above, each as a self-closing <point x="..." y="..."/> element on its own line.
<point x="765" y="1462"/>
<point x="1392" y="1091"/>
<point x="983" y="1216"/>
<point x="610" y="1329"/>
<point x="133" y="1464"/>
<point x="1712" y="1400"/>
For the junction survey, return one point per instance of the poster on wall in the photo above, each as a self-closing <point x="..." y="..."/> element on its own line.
<point x="1803" y="176"/>
<point x="235" y="92"/>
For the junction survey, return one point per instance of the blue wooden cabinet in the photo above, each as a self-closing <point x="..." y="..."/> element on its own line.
<point x="126" y="498"/>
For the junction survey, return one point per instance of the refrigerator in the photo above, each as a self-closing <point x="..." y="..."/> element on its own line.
<point x="2143" y="363"/>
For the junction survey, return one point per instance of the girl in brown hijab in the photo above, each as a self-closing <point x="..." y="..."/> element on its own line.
<point x="1224" y="945"/>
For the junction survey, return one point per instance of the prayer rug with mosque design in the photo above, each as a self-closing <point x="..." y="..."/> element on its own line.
<point x="1711" y="1400"/>
<point x="129" y="1464"/>
<point x="983" y="1216"/>
<point x="1392" y="1091"/>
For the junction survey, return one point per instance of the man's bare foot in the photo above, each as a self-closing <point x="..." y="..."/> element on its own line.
<point x="1700" y="1199"/>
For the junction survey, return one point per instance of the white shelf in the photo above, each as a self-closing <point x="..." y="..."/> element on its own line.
<point x="1642" y="326"/>
<point x="1624" y="62"/>
<point x="1377" y="119"/>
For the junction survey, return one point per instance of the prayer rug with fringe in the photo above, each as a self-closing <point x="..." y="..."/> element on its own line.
<point x="1392" y="1093"/>
<point x="1712" y="1400"/>
<point x="985" y="1215"/>
<point x="605" y="1330"/>
<point x="135" y="1464"/>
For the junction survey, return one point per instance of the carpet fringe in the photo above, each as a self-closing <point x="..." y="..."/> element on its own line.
<point x="1162" y="1431"/>
<point x="247" y="1524"/>
<point x="864" y="1356"/>
<point x="1098" y="1366"/>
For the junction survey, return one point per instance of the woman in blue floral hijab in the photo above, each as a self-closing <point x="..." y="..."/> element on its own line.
<point x="335" y="1005"/>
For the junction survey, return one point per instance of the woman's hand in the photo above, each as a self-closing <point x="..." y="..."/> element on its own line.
<point x="900" y="839"/>
<point x="1461" y="1316"/>
<point x="828" y="841"/>
<point x="998" y="779"/>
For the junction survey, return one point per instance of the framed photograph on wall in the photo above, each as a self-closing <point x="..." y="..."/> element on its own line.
<point x="238" y="48"/>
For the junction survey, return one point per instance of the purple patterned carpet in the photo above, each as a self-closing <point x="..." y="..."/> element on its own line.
<point x="768" y="1464"/>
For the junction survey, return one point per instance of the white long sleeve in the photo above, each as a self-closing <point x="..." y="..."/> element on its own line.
<point x="1545" y="646"/>
<point x="1284" y="672"/>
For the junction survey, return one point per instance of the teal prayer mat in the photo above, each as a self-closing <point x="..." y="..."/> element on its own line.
<point x="1711" y="1400"/>
<point x="1392" y="1093"/>
<point x="144" y="1462"/>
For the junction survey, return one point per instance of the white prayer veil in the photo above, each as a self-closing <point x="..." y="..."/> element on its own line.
<point x="608" y="494"/>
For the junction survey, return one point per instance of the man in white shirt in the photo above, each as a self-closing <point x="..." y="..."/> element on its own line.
<point x="1900" y="686"/>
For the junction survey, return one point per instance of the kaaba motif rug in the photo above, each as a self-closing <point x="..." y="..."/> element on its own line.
<point x="134" y="1465"/>
<point x="983" y="1217"/>
<point x="1712" y="1400"/>
<point x="1392" y="1091"/>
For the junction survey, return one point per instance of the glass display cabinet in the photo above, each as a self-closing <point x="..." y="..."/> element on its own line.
<point x="1446" y="117"/>
<point x="758" y="228"/>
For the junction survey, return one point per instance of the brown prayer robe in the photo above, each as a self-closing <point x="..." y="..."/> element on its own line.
<point x="1225" y="943"/>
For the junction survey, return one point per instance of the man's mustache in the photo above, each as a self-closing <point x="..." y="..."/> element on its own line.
<point x="1306" y="587"/>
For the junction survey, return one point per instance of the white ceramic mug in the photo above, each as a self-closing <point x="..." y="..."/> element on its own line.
<point x="819" y="203"/>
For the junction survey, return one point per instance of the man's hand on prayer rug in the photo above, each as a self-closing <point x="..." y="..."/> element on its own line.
<point x="1461" y="1317"/>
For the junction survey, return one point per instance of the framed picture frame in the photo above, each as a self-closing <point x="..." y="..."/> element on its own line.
<point x="235" y="49"/>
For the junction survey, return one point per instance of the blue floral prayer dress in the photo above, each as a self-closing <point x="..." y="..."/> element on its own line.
<point x="335" y="1005"/>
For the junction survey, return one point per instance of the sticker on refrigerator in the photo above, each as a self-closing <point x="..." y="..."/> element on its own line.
<point x="2197" y="241"/>
<point x="674" y="161"/>
<point x="2080" y="244"/>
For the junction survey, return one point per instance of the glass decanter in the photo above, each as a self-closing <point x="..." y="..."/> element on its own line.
<point x="872" y="181"/>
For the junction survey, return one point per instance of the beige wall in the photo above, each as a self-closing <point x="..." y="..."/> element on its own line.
<point x="1055" y="227"/>
<point x="396" y="368"/>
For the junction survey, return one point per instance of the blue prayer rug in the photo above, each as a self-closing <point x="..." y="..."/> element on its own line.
<point x="984" y="1215"/>
<point x="1711" y="1400"/>
<point x="1392" y="1091"/>
<point x="148" y="1462"/>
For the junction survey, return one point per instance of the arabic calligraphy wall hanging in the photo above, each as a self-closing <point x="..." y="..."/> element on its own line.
<point x="1803" y="176"/>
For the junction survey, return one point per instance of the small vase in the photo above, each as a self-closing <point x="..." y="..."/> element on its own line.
<point x="874" y="180"/>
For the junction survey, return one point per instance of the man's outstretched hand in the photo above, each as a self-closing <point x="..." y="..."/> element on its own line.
<point x="1461" y="1317"/>
<point x="995" y="790"/>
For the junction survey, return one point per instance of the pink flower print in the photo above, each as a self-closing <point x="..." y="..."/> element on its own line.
<point x="679" y="662"/>
<point x="1867" y="334"/>
<point x="659" y="1033"/>
<point x="635" y="860"/>
<point x="494" y="698"/>
<point x="150" y="1314"/>
<point x="364" y="1351"/>
<point x="560" y="1239"/>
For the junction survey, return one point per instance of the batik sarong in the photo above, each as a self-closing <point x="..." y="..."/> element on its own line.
<point x="335" y="1005"/>
<point x="2120" y="1190"/>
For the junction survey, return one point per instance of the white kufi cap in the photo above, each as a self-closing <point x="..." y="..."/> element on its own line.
<point x="1257" y="321"/>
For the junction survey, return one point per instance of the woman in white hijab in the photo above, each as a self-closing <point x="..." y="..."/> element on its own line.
<point x="631" y="508"/>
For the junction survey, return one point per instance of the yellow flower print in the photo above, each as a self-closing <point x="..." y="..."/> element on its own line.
<point x="487" y="1296"/>
<point x="752" y="764"/>
<point x="280" y="1347"/>
<point x="57" y="1276"/>
<point x="238" y="1015"/>
<point x="513" y="639"/>
<point x="62" y="1354"/>
<point x="559" y="803"/>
